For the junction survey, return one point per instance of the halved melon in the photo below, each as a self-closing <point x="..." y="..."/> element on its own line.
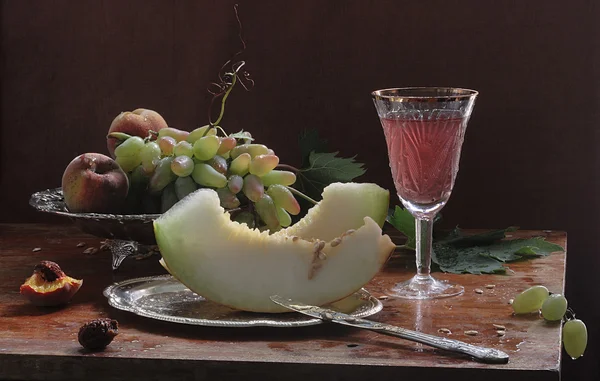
<point x="230" y="264"/>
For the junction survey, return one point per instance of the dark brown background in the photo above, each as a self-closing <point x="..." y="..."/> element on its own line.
<point x="529" y="159"/>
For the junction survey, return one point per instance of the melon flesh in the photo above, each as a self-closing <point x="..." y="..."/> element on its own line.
<point x="230" y="264"/>
<point x="343" y="207"/>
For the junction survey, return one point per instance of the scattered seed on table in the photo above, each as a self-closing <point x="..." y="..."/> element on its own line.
<point x="383" y="297"/>
<point x="478" y="291"/>
<point x="81" y="244"/>
<point x="445" y="330"/>
<point x="500" y="333"/>
<point x="471" y="333"/>
<point x="490" y="286"/>
<point x="510" y="301"/>
<point x="36" y="249"/>
<point x="90" y="250"/>
<point x="499" y="327"/>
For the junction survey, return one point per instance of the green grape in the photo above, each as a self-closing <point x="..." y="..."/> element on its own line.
<point x="128" y="163"/>
<point x="183" y="148"/>
<point x="150" y="155"/>
<point x="184" y="186"/>
<point x="279" y="177"/>
<point x="265" y="207"/>
<point x="245" y="218"/>
<point x="239" y="165"/>
<point x="284" y="218"/>
<point x="130" y="147"/>
<point x="168" y="198"/>
<point x="235" y="183"/>
<point x="182" y="166"/>
<point x="263" y="164"/>
<point x="175" y="133"/>
<point x="252" y="149"/>
<point x="253" y="188"/>
<point x="284" y="198"/>
<point x="162" y="175"/>
<point x="574" y="338"/>
<point x="197" y="134"/>
<point x="228" y="199"/>
<point x="207" y="176"/>
<point x="219" y="163"/>
<point x="205" y="148"/>
<point x="530" y="300"/>
<point x="166" y="144"/>
<point x="554" y="307"/>
<point x="227" y="144"/>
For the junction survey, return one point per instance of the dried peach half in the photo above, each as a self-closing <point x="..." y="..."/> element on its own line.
<point x="49" y="285"/>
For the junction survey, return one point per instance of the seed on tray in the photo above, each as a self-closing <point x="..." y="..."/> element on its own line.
<point x="36" y="249"/>
<point x="81" y="244"/>
<point x="383" y="297"/>
<point x="471" y="333"/>
<point x="444" y="330"/>
<point x="500" y="333"/>
<point x="478" y="291"/>
<point x="499" y="327"/>
<point x="490" y="286"/>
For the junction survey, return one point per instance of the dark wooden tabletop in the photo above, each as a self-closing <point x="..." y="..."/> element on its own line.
<point x="41" y="343"/>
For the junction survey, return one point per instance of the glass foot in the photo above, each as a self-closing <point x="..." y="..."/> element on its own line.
<point x="424" y="287"/>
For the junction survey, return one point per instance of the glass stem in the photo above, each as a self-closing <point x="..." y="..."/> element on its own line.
<point x="424" y="230"/>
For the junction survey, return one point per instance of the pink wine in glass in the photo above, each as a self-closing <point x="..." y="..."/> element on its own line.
<point x="424" y="155"/>
<point x="424" y="129"/>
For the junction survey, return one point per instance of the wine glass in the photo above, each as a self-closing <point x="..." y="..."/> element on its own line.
<point x="424" y="130"/>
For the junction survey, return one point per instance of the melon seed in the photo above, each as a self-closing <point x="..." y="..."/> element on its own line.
<point x="349" y="232"/>
<point x="336" y="242"/>
<point x="322" y="256"/>
<point x="500" y="333"/>
<point x="319" y="245"/>
<point x="478" y="291"/>
<point x="445" y="330"/>
<point x="490" y="286"/>
<point x="90" y="251"/>
<point x="499" y="327"/>
<point x="295" y="238"/>
<point x="36" y="249"/>
<point x="81" y="244"/>
<point x="471" y="333"/>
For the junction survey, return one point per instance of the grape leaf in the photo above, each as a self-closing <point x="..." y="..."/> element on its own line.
<point x="308" y="142"/>
<point x="481" y="253"/>
<point x="402" y="220"/>
<point x="326" y="168"/>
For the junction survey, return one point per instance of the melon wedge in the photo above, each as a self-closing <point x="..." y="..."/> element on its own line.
<point x="230" y="264"/>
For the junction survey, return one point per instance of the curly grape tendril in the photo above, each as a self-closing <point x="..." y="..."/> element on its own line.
<point x="228" y="79"/>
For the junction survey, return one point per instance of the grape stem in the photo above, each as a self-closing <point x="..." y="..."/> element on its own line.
<point x="233" y="81"/>
<point x="300" y="194"/>
<point x="288" y="167"/>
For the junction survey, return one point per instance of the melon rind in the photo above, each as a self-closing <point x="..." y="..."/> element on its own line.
<point x="230" y="264"/>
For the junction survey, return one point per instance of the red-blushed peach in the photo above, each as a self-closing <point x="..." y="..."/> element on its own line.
<point x="49" y="285"/>
<point x="94" y="183"/>
<point x="138" y="122"/>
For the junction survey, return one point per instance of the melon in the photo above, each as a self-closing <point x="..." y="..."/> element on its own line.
<point x="336" y="249"/>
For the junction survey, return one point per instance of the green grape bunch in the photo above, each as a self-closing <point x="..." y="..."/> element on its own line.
<point x="167" y="166"/>
<point x="554" y="308"/>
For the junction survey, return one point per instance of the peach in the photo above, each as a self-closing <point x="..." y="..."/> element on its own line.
<point x="94" y="183"/>
<point x="49" y="285"/>
<point x="138" y="122"/>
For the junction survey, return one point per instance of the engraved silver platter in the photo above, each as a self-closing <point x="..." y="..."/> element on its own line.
<point x="164" y="298"/>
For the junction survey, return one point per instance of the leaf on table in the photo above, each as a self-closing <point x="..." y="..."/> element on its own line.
<point x="402" y="220"/>
<point x="326" y="168"/>
<point x="472" y="260"/>
<point x="458" y="238"/>
<point x="489" y="258"/>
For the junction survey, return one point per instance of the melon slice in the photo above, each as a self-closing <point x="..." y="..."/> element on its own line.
<point x="230" y="264"/>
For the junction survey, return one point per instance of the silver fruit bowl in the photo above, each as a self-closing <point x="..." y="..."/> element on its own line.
<point x="125" y="234"/>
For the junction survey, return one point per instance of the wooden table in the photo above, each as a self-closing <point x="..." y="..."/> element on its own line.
<point x="41" y="343"/>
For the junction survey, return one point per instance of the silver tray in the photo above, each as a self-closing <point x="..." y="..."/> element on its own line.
<point x="164" y="298"/>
